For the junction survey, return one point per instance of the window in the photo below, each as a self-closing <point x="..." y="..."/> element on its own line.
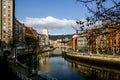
<point x="9" y="7"/>
<point x="8" y="23"/>
<point x="4" y="27"/>
<point x="8" y="19"/>
<point x="4" y="14"/>
<point x="8" y="15"/>
<point x="4" y="23"/>
<point x="4" y="19"/>
<point x="8" y="11"/>
<point x="4" y="6"/>
<point x="4" y="10"/>
<point x="4" y="31"/>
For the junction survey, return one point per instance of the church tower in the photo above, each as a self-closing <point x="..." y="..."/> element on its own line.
<point x="45" y="31"/>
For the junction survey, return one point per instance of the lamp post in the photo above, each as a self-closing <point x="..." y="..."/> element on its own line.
<point x="14" y="39"/>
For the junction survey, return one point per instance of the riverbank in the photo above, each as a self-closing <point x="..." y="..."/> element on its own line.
<point x="22" y="70"/>
<point x="27" y="54"/>
<point x="104" y="60"/>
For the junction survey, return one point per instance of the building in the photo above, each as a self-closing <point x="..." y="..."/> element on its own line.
<point x="114" y="38"/>
<point x="45" y="32"/>
<point x="118" y="38"/>
<point x="82" y="43"/>
<point x="19" y="34"/>
<point x="74" y="42"/>
<point x="31" y="37"/>
<point x="6" y="23"/>
<point x="43" y="40"/>
<point x="0" y="21"/>
<point x="102" y="44"/>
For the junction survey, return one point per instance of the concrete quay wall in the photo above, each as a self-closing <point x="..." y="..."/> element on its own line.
<point x="101" y="60"/>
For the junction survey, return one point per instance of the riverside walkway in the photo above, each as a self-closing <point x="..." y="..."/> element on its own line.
<point x="107" y="60"/>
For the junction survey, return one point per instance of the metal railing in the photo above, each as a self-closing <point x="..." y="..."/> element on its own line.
<point x="22" y="76"/>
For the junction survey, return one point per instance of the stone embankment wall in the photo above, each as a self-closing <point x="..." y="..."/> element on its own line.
<point x="102" y="60"/>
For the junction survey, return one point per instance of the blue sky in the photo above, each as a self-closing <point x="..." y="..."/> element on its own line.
<point x="56" y="15"/>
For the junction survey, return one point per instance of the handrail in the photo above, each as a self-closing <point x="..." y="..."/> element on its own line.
<point x="23" y="77"/>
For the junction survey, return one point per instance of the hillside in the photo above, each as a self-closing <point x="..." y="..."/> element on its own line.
<point x="55" y="37"/>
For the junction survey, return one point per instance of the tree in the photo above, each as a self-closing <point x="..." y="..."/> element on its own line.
<point x="101" y="11"/>
<point x="107" y="11"/>
<point x="30" y="41"/>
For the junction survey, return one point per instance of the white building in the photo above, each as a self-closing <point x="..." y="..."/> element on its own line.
<point x="45" y="32"/>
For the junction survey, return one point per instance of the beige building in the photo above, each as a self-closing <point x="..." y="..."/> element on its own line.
<point x="0" y="23"/>
<point x="6" y="22"/>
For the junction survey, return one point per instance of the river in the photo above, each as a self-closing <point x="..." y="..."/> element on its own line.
<point x="59" y="68"/>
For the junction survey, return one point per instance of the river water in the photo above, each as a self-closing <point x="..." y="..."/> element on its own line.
<point x="59" y="68"/>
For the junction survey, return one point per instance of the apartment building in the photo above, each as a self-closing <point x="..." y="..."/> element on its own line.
<point x="19" y="33"/>
<point x="114" y="37"/>
<point x="6" y="22"/>
<point x="0" y="22"/>
<point x="82" y="43"/>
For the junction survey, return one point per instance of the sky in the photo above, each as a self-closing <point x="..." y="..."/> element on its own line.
<point x="57" y="15"/>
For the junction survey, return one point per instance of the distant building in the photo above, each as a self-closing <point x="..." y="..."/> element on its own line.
<point x="43" y="40"/>
<point x="45" y="32"/>
<point x="74" y="41"/>
<point x="82" y="43"/>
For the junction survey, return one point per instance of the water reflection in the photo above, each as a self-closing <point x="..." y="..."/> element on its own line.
<point x="95" y="72"/>
<point x="58" y="68"/>
<point x="67" y="69"/>
<point x="42" y="60"/>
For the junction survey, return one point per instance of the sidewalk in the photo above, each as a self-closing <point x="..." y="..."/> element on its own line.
<point x="98" y="56"/>
<point x="106" y="60"/>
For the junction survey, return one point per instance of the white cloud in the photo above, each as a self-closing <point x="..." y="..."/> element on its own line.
<point x="55" y="25"/>
<point x="49" y="22"/>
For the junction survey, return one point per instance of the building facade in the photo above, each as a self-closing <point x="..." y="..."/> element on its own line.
<point x="0" y="21"/>
<point x="45" y="32"/>
<point x="19" y="34"/>
<point x="82" y="43"/>
<point x="114" y="38"/>
<point x="74" y="42"/>
<point x="6" y="22"/>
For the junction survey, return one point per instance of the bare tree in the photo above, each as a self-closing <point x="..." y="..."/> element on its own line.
<point x="101" y="11"/>
<point x="107" y="11"/>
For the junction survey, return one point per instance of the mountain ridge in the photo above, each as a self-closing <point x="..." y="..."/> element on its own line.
<point x="55" y="37"/>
